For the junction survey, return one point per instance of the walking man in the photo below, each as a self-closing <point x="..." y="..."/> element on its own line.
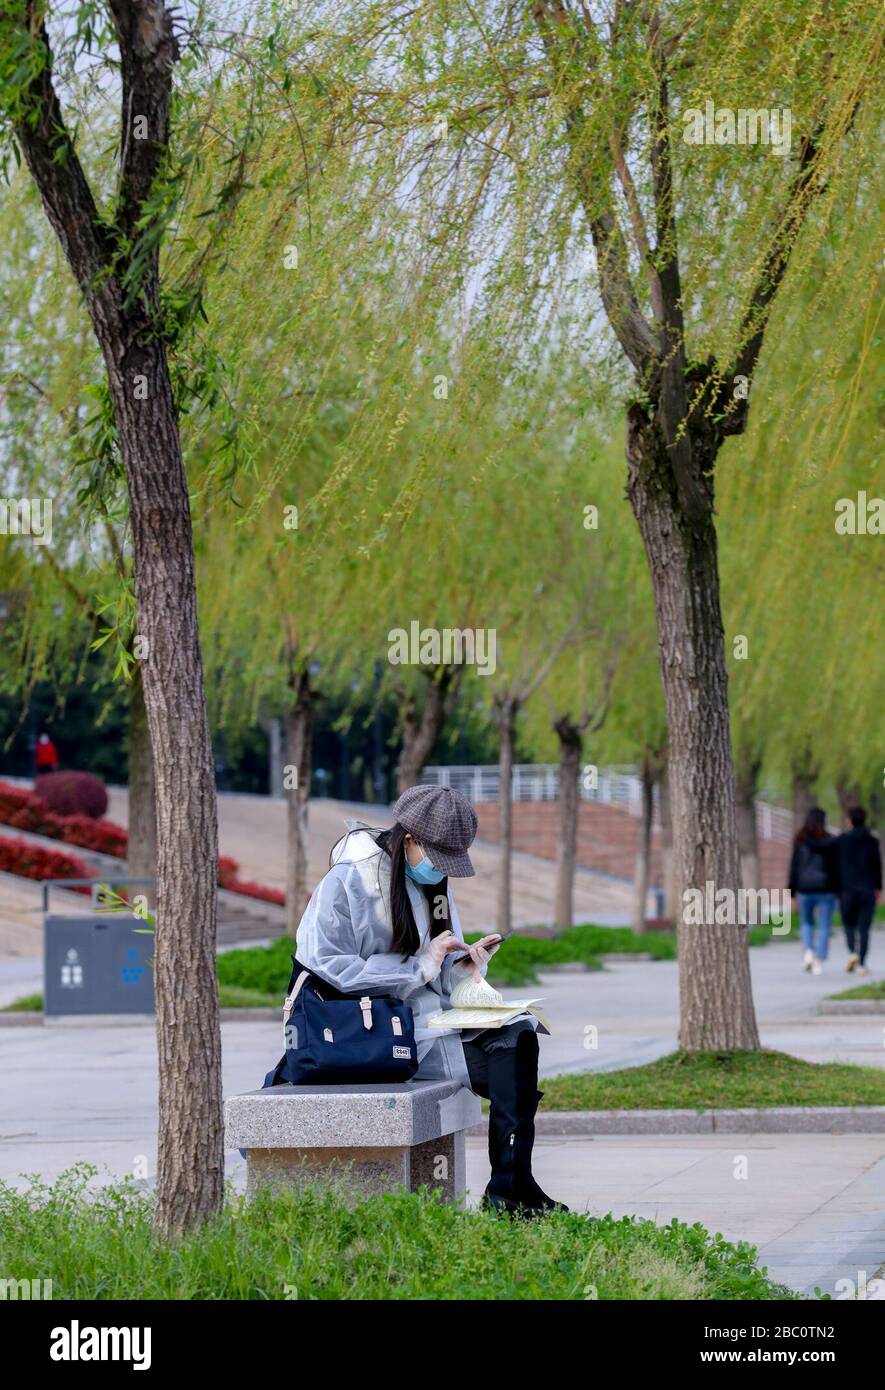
<point x="860" y="879"/>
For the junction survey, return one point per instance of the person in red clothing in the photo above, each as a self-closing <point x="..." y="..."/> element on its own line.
<point x="47" y="754"/>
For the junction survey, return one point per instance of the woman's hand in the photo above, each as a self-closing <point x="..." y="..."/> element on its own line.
<point x="434" y="952"/>
<point x="479" y="954"/>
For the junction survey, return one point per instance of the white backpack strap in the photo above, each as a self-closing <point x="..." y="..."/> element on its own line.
<point x="366" y="1006"/>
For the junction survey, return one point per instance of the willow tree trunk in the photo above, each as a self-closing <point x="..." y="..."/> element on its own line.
<point x="570" y="751"/>
<point x="141" y="853"/>
<point x="746" y="785"/>
<point x="667" y="861"/>
<point x="420" y="736"/>
<point x="296" y="781"/>
<point x="506" y="710"/>
<point x="190" y="1167"/>
<point x="715" y="995"/>
<point x="805" y="775"/>
<point x="642" y="871"/>
<point x="849" y="794"/>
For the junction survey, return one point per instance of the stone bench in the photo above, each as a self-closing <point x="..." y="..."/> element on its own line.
<point x="373" y="1138"/>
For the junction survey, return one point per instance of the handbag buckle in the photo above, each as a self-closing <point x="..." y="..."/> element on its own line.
<point x="366" y="1006"/>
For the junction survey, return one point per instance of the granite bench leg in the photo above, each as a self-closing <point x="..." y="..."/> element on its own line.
<point x="440" y="1164"/>
<point x="362" y="1170"/>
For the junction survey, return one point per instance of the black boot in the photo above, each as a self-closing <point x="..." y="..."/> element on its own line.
<point x="514" y="1096"/>
<point x="530" y="1196"/>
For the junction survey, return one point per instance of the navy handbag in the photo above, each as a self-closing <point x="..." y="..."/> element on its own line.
<point x="335" y="1039"/>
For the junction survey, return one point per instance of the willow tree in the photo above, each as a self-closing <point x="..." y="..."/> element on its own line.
<point x="111" y="223"/>
<point x="605" y="128"/>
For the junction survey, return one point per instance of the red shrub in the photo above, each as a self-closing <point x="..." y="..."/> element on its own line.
<point x="257" y="890"/>
<point x="227" y="871"/>
<point x="103" y="836"/>
<point x="73" y="793"/>
<point x="33" y="861"/>
<point x="20" y="807"/>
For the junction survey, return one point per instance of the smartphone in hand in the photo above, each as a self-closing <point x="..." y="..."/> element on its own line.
<point x="499" y="937"/>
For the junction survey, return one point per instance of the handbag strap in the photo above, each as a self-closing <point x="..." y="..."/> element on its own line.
<point x="289" y="1002"/>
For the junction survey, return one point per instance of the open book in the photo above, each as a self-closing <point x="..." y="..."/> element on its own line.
<point x="475" y="1004"/>
<point x="494" y="1016"/>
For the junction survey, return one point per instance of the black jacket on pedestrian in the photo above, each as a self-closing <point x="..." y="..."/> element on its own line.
<point x="814" y="867"/>
<point x="859" y="859"/>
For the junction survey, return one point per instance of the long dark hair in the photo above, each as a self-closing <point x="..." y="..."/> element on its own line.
<point x="814" y="827"/>
<point x="402" y="918"/>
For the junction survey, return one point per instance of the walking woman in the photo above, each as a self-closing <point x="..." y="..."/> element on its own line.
<point x="382" y="920"/>
<point x="814" y="880"/>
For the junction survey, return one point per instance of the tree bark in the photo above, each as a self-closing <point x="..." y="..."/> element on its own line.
<point x="805" y="774"/>
<point x="506" y="710"/>
<point x="849" y="794"/>
<point x="141" y="853"/>
<point x="667" y="859"/>
<point x="299" y="767"/>
<point x="420" y="736"/>
<point x="746" y="786"/>
<point x="190" y="1158"/>
<point x="642" y="871"/>
<point x="570" y="752"/>
<point x="275" y="759"/>
<point x="679" y="535"/>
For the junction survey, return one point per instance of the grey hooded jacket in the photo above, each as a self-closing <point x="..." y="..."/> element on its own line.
<point x="345" y="937"/>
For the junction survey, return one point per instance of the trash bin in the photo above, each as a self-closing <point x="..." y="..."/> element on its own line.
<point x="97" y="965"/>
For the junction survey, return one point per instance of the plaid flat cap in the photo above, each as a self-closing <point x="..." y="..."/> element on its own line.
<point x="444" y="824"/>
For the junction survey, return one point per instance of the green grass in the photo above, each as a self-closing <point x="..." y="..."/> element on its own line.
<point x="308" y="1244"/>
<point x="229" y="997"/>
<point x="873" y="989"/>
<point x="265" y="969"/>
<point x="717" y="1080"/>
<point x="29" y="1003"/>
<point x="236" y="997"/>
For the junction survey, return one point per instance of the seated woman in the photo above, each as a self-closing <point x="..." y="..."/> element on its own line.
<point x="382" y="920"/>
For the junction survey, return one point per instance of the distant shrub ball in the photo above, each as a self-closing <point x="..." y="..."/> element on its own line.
<point x="73" y="793"/>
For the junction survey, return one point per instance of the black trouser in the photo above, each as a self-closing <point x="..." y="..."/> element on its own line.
<point x="503" y="1067"/>
<point x="857" y="906"/>
<point x="495" y="1040"/>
